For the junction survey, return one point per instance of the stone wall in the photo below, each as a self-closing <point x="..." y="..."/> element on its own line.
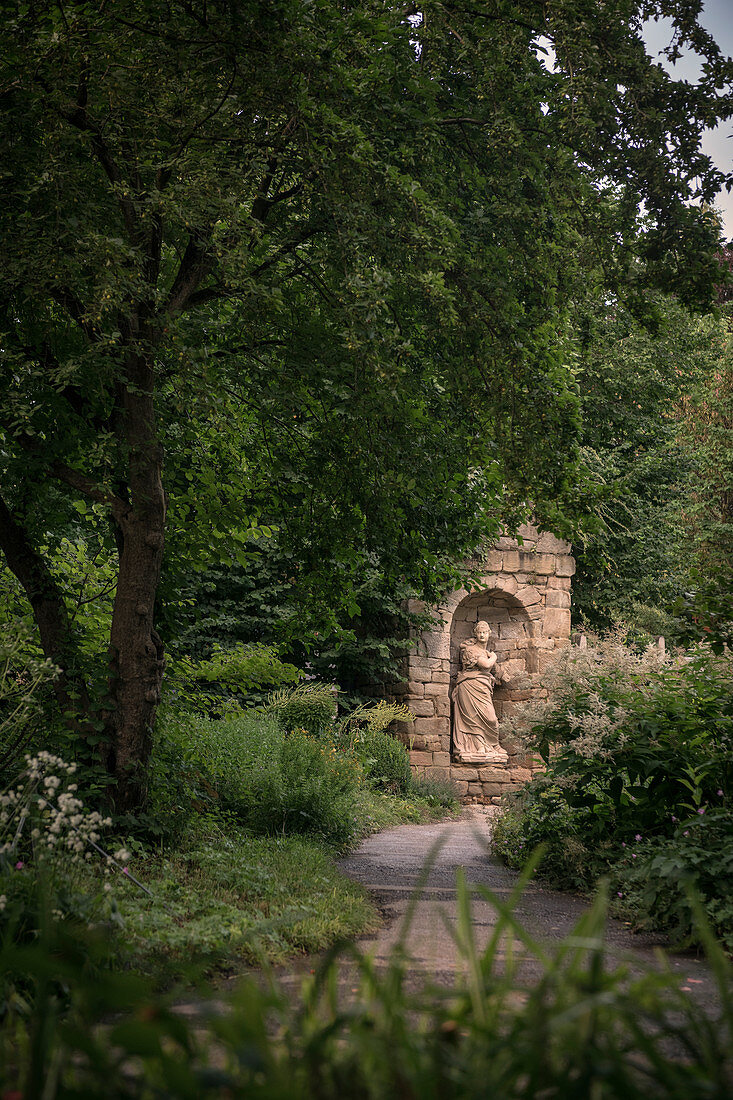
<point x="524" y="595"/>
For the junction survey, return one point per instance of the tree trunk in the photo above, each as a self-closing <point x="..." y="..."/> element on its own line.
<point x="136" y="651"/>
<point x="49" y="611"/>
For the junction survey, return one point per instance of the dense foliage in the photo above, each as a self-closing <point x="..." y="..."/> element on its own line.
<point x="320" y="257"/>
<point x="638" y="783"/>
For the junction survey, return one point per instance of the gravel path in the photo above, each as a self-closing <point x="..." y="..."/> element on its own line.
<point x="390" y="865"/>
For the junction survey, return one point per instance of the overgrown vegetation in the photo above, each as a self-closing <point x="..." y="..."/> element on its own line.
<point x="232" y="858"/>
<point x="584" y="1024"/>
<point x="638" y="783"/>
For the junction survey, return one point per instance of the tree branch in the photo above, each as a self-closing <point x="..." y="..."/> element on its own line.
<point x="83" y="484"/>
<point x="196" y="264"/>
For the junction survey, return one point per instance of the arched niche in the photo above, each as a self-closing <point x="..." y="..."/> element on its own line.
<point x="512" y="638"/>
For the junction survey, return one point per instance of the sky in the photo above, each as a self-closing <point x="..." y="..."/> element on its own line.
<point x="717" y="18"/>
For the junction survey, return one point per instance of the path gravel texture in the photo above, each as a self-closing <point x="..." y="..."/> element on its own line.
<point x="390" y="865"/>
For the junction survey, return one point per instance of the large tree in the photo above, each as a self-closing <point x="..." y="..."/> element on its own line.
<point x="343" y="232"/>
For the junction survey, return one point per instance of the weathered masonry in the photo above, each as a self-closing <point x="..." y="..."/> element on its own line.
<point x="524" y="596"/>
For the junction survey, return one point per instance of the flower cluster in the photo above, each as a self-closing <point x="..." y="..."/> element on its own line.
<point x="58" y="824"/>
<point x="584" y="695"/>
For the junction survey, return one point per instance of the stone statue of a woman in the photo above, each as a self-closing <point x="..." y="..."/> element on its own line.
<point x="475" y="727"/>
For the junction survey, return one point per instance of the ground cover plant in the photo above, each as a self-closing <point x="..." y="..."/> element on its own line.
<point x="232" y="861"/>
<point x="638" y="783"/>
<point x="586" y="1024"/>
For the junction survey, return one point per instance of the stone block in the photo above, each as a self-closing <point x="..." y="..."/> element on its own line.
<point x="438" y="773"/>
<point x="434" y="643"/>
<point x="441" y="759"/>
<point x="436" y="689"/>
<point x="475" y="789"/>
<point x="512" y="630"/>
<point x="442" y="706"/>
<point x="565" y="566"/>
<point x="417" y="744"/>
<point x="546" y="660"/>
<point x="557" y="623"/>
<point x="431" y="727"/>
<point x="494" y="561"/>
<point x="398" y="690"/>
<point x="493" y="775"/>
<point x="416" y="687"/>
<point x="494" y="615"/>
<point x="528" y="532"/>
<point x="423" y="708"/>
<point x="520" y="775"/>
<point x="461" y="788"/>
<point x="529" y="596"/>
<point x="511" y="560"/>
<point x="558" y="597"/>
<point x="440" y="677"/>
<point x="461" y="771"/>
<point x="417" y="607"/>
<point x="402" y="730"/>
<point x="548" y="544"/>
<point x="514" y="667"/>
<point x="494" y="790"/>
<point x="424" y="759"/>
<point x="423" y="664"/>
<point x="559" y="582"/>
<point x="539" y="563"/>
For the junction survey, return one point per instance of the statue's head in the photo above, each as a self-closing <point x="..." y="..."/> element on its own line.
<point x="481" y="631"/>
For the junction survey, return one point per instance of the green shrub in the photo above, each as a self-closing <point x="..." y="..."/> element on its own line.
<point x="658" y="878"/>
<point x="273" y="782"/>
<point x="384" y="759"/>
<point x="310" y="706"/>
<point x="437" y="792"/>
<point x="237" y="676"/>
<point x="23" y="677"/>
<point x="634" y="744"/>
<point x="308" y="791"/>
<point x="177" y="789"/>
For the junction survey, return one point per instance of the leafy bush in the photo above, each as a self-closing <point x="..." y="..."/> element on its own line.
<point x="437" y="792"/>
<point x="634" y="744"/>
<point x="308" y="791"/>
<point x="238" y="675"/>
<point x="177" y="790"/>
<point x="310" y="706"/>
<point x="385" y="760"/>
<point x="273" y="782"/>
<point x="657" y="878"/>
<point x="23" y="676"/>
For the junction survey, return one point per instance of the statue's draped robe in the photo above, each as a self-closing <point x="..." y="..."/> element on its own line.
<point x="475" y="726"/>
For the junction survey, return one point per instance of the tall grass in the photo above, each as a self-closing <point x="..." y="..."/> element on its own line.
<point x="585" y="1025"/>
